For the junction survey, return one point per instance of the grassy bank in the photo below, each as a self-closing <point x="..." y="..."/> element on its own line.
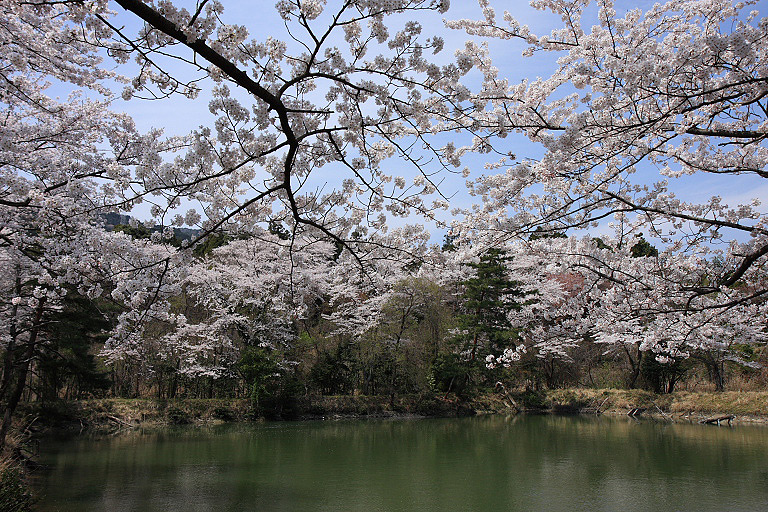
<point x="111" y="414"/>
<point x="14" y="488"/>
<point x="116" y="414"/>
<point x="748" y="406"/>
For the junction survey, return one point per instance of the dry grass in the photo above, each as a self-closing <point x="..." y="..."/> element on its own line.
<point x="739" y="403"/>
<point x="135" y="411"/>
<point x="14" y="490"/>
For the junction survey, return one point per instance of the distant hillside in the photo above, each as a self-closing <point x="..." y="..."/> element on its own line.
<point x="112" y="220"/>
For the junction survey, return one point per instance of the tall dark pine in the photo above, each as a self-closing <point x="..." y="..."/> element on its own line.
<point x="66" y="364"/>
<point x="488" y="297"/>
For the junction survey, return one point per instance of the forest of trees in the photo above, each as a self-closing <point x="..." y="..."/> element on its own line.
<point x="309" y="196"/>
<point x="246" y="325"/>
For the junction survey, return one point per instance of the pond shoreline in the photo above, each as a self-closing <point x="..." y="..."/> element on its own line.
<point x="121" y="416"/>
<point x="113" y="414"/>
<point x="682" y="406"/>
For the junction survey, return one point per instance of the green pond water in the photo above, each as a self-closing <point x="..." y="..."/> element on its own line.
<point x="491" y="463"/>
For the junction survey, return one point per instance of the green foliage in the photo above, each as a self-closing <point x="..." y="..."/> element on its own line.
<point x="451" y="374"/>
<point x="532" y="399"/>
<point x="643" y="248"/>
<point x="138" y="232"/>
<point x="274" y="389"/>
<point x="601" y="244"/>
<point x="258" y="368"/>
<point x="210" y="243"/>
<point x="223" y="413"/>
<point x="14" y="495"/>
<point x="67" y="362"/>
<point x="277" y="229"/>
<point x="487" y="299"/>
<point x="449" y="243"/>
<point x="177" y="416"/>
<point x="662" y="377"/>
<point x="530" y="370"/>
<point x="58" y="412"/>
<point x="540" y="232"/>
<point x="745" y="351"/>
<point x="333" y="373"/>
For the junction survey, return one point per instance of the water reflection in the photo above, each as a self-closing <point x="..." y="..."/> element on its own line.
<point x="486" y="463"/>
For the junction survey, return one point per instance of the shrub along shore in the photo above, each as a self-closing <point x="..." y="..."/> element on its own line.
<point x="100" y="415"/>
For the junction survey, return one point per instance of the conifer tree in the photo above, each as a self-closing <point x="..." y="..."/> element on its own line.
<point x="489" y="296"/>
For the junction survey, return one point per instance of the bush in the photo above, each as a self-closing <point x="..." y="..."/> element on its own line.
<point x="450" y="373"/>
<point x="274" y="389"/>
<point x="14" y="495"/>
<point x="279" y="398"/>
<point x="533" y="399"/>
<point x="177" y="416"/>
<point x="223" y="414"/>
<point x="333" y="373"/>
<point x="56" y="412"/>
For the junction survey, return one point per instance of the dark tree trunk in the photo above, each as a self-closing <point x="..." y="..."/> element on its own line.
<point x="20" y="372"/>
<point x="634" y="364"/>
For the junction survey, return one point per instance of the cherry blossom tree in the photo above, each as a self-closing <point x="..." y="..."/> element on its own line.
<point x="251" y="292"/>
<point x="51" y="153"/>
<point x="645" y="313"/>
<point x="638" y="107"/>
<point x="340" y="95"/>
<point x="638" y="307"/>
<point x="680" y="88"/>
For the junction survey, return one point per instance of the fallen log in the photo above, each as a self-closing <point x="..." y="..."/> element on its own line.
<point x="663" y="414"/>
<point x="508" y="396"/>
<point x="718" y="419"/>
<point x="120" y="422"/>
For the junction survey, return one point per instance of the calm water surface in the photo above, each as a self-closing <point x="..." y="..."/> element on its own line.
<point x="525" y="463"/>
